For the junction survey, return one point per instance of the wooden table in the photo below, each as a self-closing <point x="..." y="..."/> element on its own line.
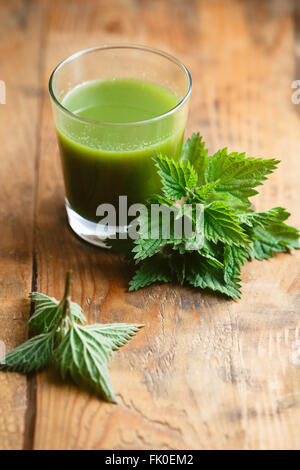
<point x="205" y="373"/>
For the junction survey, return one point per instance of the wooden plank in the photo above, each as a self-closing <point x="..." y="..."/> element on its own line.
<point x="205" y="372"/>
<point x="20" y="34"/>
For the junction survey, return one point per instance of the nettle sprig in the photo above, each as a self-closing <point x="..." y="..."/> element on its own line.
<point x="79" y="352"/>
<point x="233" y="232"/>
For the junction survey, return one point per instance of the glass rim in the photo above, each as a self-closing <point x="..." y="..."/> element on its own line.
<point x="78" y="54"/>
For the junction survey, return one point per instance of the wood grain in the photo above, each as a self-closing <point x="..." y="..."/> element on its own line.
<point x="20" y="33"/>
<point x="205" y="373"/>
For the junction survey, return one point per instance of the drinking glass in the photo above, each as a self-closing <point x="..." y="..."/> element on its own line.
<point x="103" y="160"/>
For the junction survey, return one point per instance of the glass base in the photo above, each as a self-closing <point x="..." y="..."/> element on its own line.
<point x="91" y="232"/>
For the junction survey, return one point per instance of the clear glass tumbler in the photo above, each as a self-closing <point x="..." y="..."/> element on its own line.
<point x="103" y="160"/>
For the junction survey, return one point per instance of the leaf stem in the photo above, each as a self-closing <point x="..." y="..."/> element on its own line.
<point x="66" y="298"/>
<point x="67" y="285"/>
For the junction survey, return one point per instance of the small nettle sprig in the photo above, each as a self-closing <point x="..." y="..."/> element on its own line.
<point x="233" y="232"/>
<point x="79" y="352"/>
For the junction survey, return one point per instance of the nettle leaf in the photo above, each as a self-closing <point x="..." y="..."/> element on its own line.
<point x="285" y="234"/>
<point x="178" y="266"/>
<point x="48" y="311"/>
<point x="261" y="250"/>
<point x="176" y="177"/>
<point x="118" y="334"/>
<point x="211" y="259"/>
<point x="194" y="243"/>
<point x="84" y="356"/>
<point x="80" y="352"/>
<point x="159" y="199"/>
<point x="195" y="152"/>
<point x="201" y="274"/>
<point x="33" y="355"/>
<point x="77" y="313"/>
<point x="234" y="258"/>
<point x="192" y="228"/>
<point x="204" y="192"/>
<point x="214" y="249"/>
<point x="157" y="230"/>
<point x="237" y="175"/>
<point x="252" y="218"/>
<point x="221" y="224"/>
<point x="152" y="270"/>
<point x="144" y="248"/>
<point x="273" y="238"/>
<point x="233" y="232"/>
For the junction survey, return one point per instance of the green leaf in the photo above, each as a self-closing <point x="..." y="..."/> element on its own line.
<point x="176" y="177"/>
<point x="214" y="249"/>
<point x="118" y="334"/>
<point x="252" y="218"/>
<point x="221" y="224"/>
<point x="84" y="356"/>
<point x="77" y="313"/>
<point x="195" y="152"/>
<point x="48" y="311"/>
<point x="158" y="199"/>
<point x="203" y="192"/>
<point x="46" y="314"/>
<point x="201" y="274"/>
<point x="178" y="266"/>
<point x="211" y="259"/>
<point x="282" y="233"/>
<point x="193" y="234"/>
<point x="261" y="250"/>
<point x="152" y="270"/>
<point x="273" y="238"/>
<point x="234" y="258"/>
<point x="80" y="352"/>
<point x="30" y="356"/>
<point x="232" y="232"/>
<point x="237" y="175"/>
<point x="155" y="232"/>
<point x="145" y="248"/>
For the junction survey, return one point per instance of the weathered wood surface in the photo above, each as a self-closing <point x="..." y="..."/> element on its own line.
<point x="20" y="69"/>
<point x="205" y="373"/>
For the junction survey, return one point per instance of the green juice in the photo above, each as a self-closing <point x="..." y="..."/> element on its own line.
<point x="98" y="167"/>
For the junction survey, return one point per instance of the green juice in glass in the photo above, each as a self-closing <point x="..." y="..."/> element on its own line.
<point x="97" y="167"/>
